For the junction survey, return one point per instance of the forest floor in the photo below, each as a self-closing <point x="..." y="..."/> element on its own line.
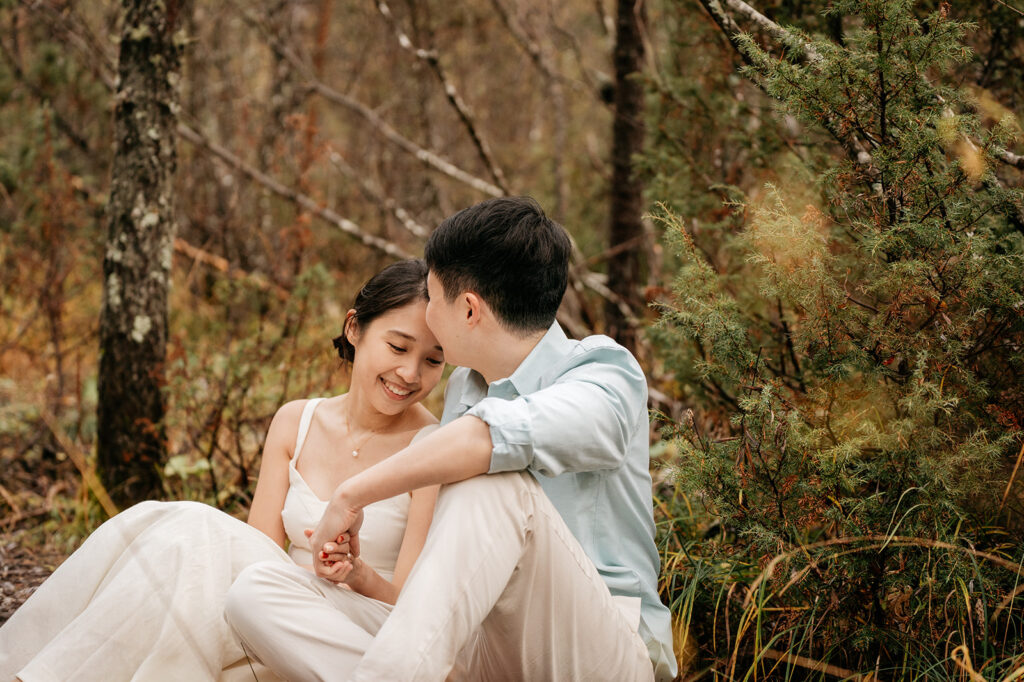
<point x="22" y="570"/>
<point x="32" y="494"/>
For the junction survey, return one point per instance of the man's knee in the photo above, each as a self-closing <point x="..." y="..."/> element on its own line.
<point x="484" y="502"/>
<point x="506" y="487"/>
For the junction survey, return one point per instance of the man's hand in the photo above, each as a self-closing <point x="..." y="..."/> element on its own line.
<point x="338" y="527"/>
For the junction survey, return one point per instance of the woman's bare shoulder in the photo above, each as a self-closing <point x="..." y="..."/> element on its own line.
<point x="290" y="412"/>
<point x="285" y="425"/>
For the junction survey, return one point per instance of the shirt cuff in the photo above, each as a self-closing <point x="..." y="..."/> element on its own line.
<point x="509" y="424"/>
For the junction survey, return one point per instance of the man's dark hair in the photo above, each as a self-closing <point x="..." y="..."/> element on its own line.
<point x="510" y="253"/>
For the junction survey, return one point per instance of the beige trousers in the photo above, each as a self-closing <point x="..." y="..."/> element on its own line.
<point x="502" y="591"/>
<point x="302" y="626"/>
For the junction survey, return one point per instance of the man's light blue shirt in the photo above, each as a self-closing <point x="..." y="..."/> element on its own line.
<point x="574" y="414"/>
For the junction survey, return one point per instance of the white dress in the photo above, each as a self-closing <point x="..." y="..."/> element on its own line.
<point x="143" y="597"/>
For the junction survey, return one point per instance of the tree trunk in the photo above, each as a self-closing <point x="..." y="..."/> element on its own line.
<point x="137" y="261"/>
<point x="626" y="232"/>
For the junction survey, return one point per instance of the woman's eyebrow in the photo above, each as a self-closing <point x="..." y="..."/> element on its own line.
<point x="409" y="337"/>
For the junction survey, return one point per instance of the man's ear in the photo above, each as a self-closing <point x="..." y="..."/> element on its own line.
<point x="351" y="327"/>
<point x="473" y="308"/>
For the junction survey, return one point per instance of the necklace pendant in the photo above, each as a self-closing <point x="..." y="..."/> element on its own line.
<point x="355" y="453"/>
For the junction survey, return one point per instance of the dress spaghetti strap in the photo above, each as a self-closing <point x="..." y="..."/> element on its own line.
<point x="304" y="421"/>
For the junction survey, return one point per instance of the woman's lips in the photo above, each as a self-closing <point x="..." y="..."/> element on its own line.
<point x="396" y="391"/>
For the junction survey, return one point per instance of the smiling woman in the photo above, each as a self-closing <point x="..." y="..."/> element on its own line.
<point x="146" y="593"/>
<point x="400" y="357"/>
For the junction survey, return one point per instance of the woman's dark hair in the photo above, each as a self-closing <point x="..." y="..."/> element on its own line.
<point x="397" y="285"/>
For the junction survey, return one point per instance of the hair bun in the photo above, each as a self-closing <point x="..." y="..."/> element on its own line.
<point x="339" y="344"/>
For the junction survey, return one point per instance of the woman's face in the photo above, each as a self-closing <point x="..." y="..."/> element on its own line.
<point x="398" y="361"/>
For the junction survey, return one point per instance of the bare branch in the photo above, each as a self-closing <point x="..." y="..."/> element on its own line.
<point x="371" y="193"/>
<point x="61" y="122"/>
<point x="426" y="156"/>
<point x="77" y="32"/>
<point x="555" y="84"/>
<point x="1010" y="7"/>
<point x="773" y="29"/>
<point x="221" y="264"/>
<point x="525" y="41"/>
<point x="300" y="199"/>
<point x="856" y="149"/>
<point x="1011" y="159"/>
<point x="430" y="58"/>
<point x="597" y="283"/>
<point x="596" y="80"/>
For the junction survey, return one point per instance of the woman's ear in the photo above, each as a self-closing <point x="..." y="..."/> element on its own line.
<point x="351" y="327"/>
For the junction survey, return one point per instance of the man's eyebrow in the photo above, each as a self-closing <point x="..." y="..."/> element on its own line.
<point x="410" y="337"/>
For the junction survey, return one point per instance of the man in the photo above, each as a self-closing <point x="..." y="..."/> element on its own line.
<point x="518" y="580"/>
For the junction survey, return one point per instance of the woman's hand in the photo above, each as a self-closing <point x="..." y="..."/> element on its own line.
<point x="331" y="552"/>
<point x="348" y="571"/>
<point x="335" y="538"/>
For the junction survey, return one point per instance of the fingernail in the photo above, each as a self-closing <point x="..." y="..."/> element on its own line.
<point x="323" y="555"/>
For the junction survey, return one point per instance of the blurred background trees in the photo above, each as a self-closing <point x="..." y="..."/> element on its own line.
<point x="834" y="253"/>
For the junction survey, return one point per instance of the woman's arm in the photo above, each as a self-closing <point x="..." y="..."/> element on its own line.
<point x="366" y="581"/>
<point x="272" y="485"/>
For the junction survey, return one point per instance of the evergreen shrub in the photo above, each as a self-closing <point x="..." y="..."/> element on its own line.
<point x="852" y="342"/>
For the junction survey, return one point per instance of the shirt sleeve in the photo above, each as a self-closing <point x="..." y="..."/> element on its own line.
<point x="581" y="422"/>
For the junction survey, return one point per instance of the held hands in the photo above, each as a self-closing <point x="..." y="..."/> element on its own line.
<point x="335" y="542"/>
<point x="335" y="562"/>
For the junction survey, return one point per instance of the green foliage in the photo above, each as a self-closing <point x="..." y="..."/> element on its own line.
<point x="230" y="369"/>
<point x="857" y="343"/>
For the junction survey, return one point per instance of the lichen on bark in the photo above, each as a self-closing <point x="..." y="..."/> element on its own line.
<point x="140" y="226"/>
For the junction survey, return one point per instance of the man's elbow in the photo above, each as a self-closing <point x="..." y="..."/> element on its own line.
<point x="475" y="445"/>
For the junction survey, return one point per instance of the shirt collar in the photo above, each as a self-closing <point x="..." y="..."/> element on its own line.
<point x="528" y="375"/>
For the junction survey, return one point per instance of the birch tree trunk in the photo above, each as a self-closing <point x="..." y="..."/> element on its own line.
<point x="137" y="259"/>
<point x="626" y="231"/>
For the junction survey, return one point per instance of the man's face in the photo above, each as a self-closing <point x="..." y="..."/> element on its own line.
<point x="444" y="320"/>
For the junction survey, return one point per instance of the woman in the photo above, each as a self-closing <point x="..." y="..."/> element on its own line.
<point x="143" y="597"/>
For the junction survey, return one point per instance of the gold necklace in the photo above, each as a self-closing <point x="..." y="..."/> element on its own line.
<point x="351" y="440"/>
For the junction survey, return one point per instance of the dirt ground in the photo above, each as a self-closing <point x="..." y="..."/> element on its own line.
<point x="21" y="572"/>
<point x="29" y="486"/>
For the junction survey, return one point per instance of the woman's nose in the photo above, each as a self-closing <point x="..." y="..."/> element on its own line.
<point x="409" y="372"/>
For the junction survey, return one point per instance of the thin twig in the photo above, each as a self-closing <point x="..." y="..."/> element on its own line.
<point x="327" y="215"/>
<point x="1013" y="476"/>
<point x="376" y="196"/>
<point x="317" y="86"/>
<point x="431" y="59"/>
<point x="811" y="664"/>
<point x="1010" y="7"/>
<point x="79" y="459"/>
<point x="222" y="264"/>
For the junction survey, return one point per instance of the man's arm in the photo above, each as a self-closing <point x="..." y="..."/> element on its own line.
<point x="453" y="452"/>
<point x="585" y="421"/>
